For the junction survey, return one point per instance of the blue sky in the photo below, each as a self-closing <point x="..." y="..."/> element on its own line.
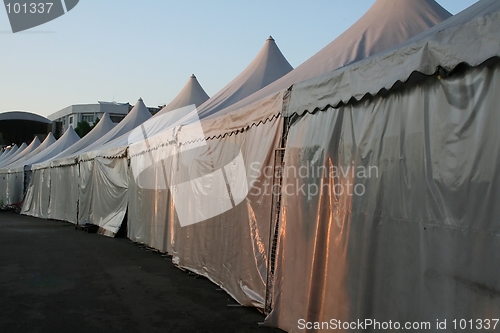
<point x="123" y="50"/>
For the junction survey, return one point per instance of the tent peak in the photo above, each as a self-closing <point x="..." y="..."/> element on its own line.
<point x="192" y="93"/>
<point x="267" y="66"/>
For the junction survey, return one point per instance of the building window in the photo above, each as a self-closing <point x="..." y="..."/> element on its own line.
<point x="89" y="118"/>
<point x="71" y="120"/>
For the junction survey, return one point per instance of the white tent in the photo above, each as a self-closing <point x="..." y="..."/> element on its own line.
<point x="13" y="176"/>
<point x="60" y="200"/>
<point x="110" y="207"/>
<point x="232" y="249"/>
<point x="66" y="140"/>
<point x="32" y="146"/>
<point x="417" y="242"/>
<point x="95" y="165"/>
<point x="134" y="118"/>
<point x="20" y="152"/>
<point x="268" y="65"/>
<point x="19" y="164"/>
<point x="38" y="192"/>
<point x="10" y="150"/>
<point x="106" y="207"/>
<point x="7" y="187"/>
<point x="12" y="153"/>
<point x="103" y="127"/>
<point x="4" y="177"/>
<point x="191" y="94"/>
<point x="64" y="182"/>
<point x="106" y="163"/>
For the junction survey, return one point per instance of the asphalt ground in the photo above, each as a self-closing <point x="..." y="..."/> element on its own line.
<point x="54" y="278"/>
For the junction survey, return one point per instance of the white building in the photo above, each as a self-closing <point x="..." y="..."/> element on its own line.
<point x="73" y="114"/>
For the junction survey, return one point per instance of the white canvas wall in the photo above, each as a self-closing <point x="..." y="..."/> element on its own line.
<point x="231" y="248"/>
<point x="63" y="193"/>
<point x="421" y="242"/>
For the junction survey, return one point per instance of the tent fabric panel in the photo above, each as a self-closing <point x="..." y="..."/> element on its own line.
<point x="64" y="193"/>
<point x="36" y="202"/>
<point x="14" y="188"/>
<point x="109" y="197"/>
<point x="424" y="229"/>
<point x="85" y="190"/>
<point x="231" y="248"/>
<point x="150" y="215"/>
<point x="3" y="187"/>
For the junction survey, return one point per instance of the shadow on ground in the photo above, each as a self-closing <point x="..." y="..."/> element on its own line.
<point x="54" y="278"/>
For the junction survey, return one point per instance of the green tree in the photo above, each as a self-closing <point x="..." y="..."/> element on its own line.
<point x="82" y="128"/>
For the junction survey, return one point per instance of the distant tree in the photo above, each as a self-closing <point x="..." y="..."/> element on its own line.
<point x="82" y="128"/>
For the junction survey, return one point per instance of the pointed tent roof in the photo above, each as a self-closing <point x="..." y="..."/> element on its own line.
<point x="10" y="152"/>
<point x="469" y="37"/>
<point x="67" y="139"/>
<point x="12" y="149"/>
<point x="19" y="164"/>
<point x="22" y="147"/>
<point x="268" y="66"/>
<point x="135" y="117"/>
<point x="14" y="155"/>
<point x="32" y="146"/>
<point x="47" y="142"/>
<point x="192" y="93"/>
<point x="118" y="144"/>
<point x="386" y="24"/>
<point x="103" y="127"/>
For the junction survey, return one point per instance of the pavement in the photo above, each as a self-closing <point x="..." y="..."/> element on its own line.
<point x="54" y="278"/>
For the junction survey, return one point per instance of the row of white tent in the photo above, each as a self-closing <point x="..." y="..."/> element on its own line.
<point x="407" y="91"/>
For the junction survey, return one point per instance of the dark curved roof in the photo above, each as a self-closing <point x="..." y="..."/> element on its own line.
<point x="22" y="115"/>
